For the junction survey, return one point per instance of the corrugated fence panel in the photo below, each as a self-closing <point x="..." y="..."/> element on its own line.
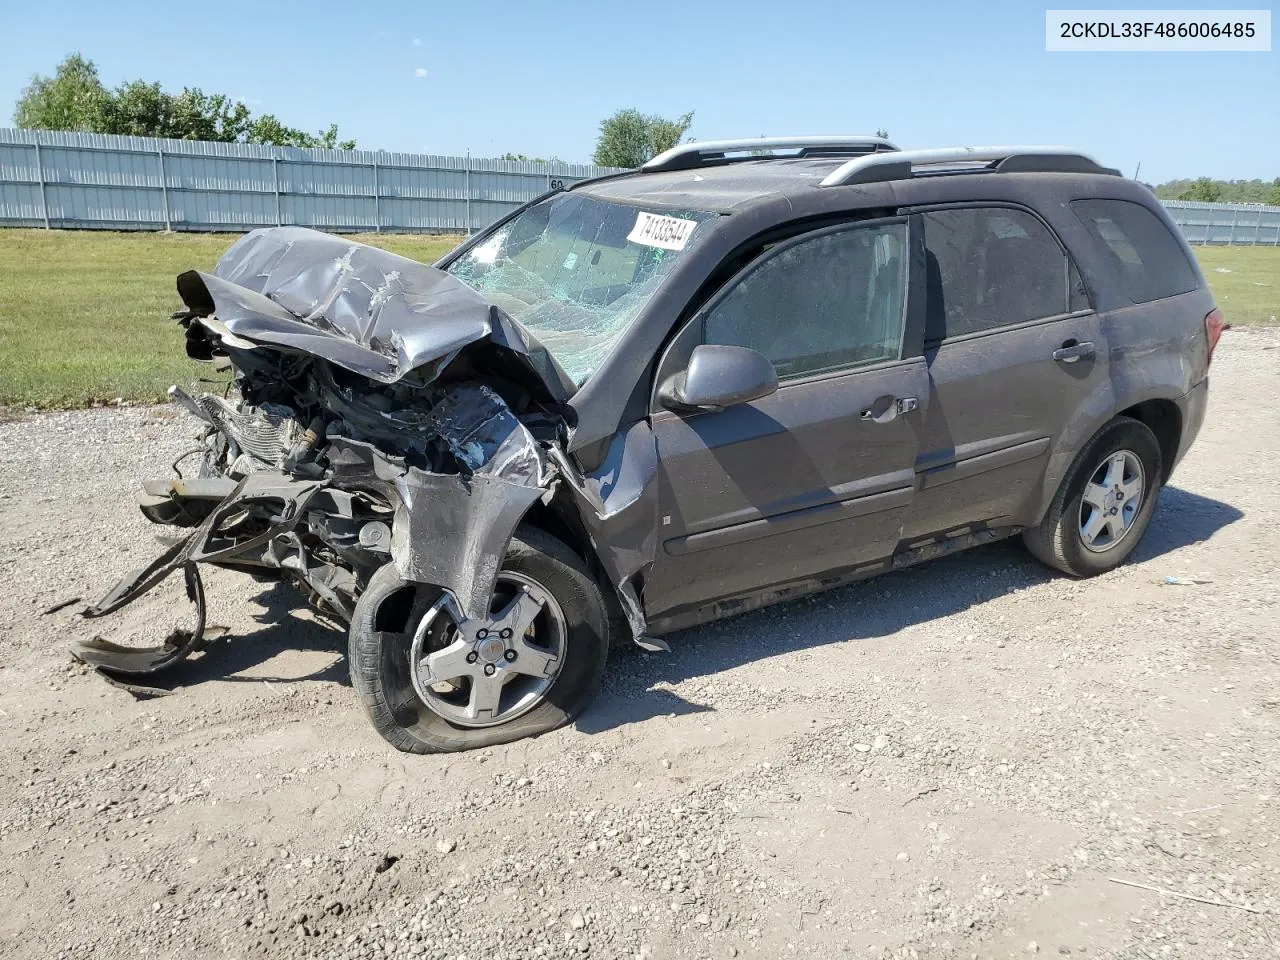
<point x="1226" y="223"/>
<point x="431" y="184"/>
<point x="21" y="203"/>
<point x="71" y="205"/>
<point x="219" y="210"/>
<point x="18" y="163"/>
<point x="184" y="172"/>
<point x="326" y="179"/>
<point x="137" y="183"/>
<point x="329" y="213"/>
<point x="442" y="215"/>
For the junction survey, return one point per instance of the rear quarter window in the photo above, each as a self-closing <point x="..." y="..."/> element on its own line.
<point x="1145" y="255"/>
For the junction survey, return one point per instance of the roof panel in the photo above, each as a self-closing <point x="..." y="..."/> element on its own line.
<point x="725" y="187"/>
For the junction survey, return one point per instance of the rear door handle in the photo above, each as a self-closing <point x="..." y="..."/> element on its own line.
<point x="1071" y="351"/>
<point x="887" y="408"/>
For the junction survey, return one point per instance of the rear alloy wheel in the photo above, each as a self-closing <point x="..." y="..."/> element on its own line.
<point x="1104" y="504"/>
<point x="1111" y="501"/>
<point x="433" y="680"/>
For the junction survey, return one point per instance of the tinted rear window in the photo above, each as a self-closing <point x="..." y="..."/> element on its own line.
<point x="1147" y="257"/>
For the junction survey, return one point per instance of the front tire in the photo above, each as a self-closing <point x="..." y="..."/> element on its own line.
<point x="431" y="685"/>
<point x="1105" y="502"/>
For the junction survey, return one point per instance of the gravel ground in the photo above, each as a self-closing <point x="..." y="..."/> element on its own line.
<point x="955" y="760"/>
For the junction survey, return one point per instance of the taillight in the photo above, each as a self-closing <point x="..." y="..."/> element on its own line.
<point x="1213" y="327"/>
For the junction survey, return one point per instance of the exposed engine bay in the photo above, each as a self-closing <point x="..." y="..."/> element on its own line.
<point x="376" y="411"/>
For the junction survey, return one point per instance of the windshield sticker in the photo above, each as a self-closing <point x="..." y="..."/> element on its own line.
<point x="668" y="233"/>
<point x="570" y="261"/>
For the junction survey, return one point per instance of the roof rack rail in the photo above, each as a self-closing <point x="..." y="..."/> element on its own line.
<point x="903" y="164"/>
<point x="708" y="153"/>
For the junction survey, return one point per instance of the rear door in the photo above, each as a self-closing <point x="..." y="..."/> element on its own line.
<point x="1014" y="352"/>
<point x="820" y="475"/>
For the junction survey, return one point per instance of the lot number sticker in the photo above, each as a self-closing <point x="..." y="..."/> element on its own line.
<point x="669" y="233"/>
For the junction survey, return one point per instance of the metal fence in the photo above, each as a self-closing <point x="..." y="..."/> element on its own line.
<point x="88" y="180"/>
<point x="1253" y="224"/>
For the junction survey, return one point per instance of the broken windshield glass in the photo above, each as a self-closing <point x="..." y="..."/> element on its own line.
<point x="576" y="271"/>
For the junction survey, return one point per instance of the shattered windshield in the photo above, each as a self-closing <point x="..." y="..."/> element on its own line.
<point x="576" y="270"/>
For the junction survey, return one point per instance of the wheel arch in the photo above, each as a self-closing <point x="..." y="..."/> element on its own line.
<point x="1158" y="412"/>
<point x="1162" y="417"/>
<point x="561" y="519"/>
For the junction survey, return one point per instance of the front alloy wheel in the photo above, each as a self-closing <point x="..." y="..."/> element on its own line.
<point x="433" y="680"/>
<point x="486" y="673"/>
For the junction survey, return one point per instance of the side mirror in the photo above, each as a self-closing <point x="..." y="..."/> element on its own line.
<point x="719" y="376"/>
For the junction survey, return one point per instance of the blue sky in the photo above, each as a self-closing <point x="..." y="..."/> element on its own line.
<point x="537" y="78"/>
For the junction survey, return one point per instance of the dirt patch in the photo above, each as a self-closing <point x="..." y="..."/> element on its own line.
<point x="950" y="761"/>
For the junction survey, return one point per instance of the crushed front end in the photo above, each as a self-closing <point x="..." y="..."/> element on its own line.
<point x="375" y="411"/>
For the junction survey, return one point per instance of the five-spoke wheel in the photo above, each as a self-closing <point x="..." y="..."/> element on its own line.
<point x="1104" y="502"/>
<point x="479" y="673"/>
<point x="434" y="680"/>
<point x="1112" y="500"/>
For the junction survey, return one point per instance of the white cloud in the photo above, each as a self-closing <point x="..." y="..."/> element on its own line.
<point x="420" y="72"/>
<point x="417" y="41"/>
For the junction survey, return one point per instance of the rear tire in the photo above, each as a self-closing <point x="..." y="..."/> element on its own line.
<point x="390" y="611"/>
<point x="1092" y="526"/>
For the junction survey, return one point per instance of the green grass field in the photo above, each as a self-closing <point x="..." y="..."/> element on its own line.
<point x="84" y="315"/>
<point x="1245" y="281"/>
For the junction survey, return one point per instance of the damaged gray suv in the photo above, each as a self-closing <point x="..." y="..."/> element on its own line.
<point x="748" y="371"/>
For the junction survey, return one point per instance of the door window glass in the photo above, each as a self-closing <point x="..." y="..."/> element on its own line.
<point x="827" y="302"/>
<point x="989" y="267"/>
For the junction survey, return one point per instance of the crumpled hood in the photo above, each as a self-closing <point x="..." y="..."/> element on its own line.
<point x="368" y="310"/>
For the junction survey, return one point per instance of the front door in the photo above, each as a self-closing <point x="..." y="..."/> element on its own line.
<point x="818" y="476"/>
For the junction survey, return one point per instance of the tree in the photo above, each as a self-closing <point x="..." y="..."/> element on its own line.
<point x="1221" y="191"/>
<point x="629" y="138"/>
<point x="138" y="109"/>
<point x="1204" y="188"/>
<point x="215" y="116"/>
<point x="72" y="99"/>
<point x="144" y="110"/>
<point x="267" y="129"/>
<point x="75" y="99"/>
<point x="665" y="134"/>
<point x="329" y="140"/>
<point x="882" y="134"/>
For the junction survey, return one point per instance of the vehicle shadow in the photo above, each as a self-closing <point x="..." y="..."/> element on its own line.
<point x="635" y="688"/>
<point x="227" y="658"/>
<point x="1182" y="519"/>
<point x="635" y="685"/>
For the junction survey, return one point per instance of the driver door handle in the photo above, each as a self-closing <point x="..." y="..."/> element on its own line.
<point x="1071" y="351"/>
